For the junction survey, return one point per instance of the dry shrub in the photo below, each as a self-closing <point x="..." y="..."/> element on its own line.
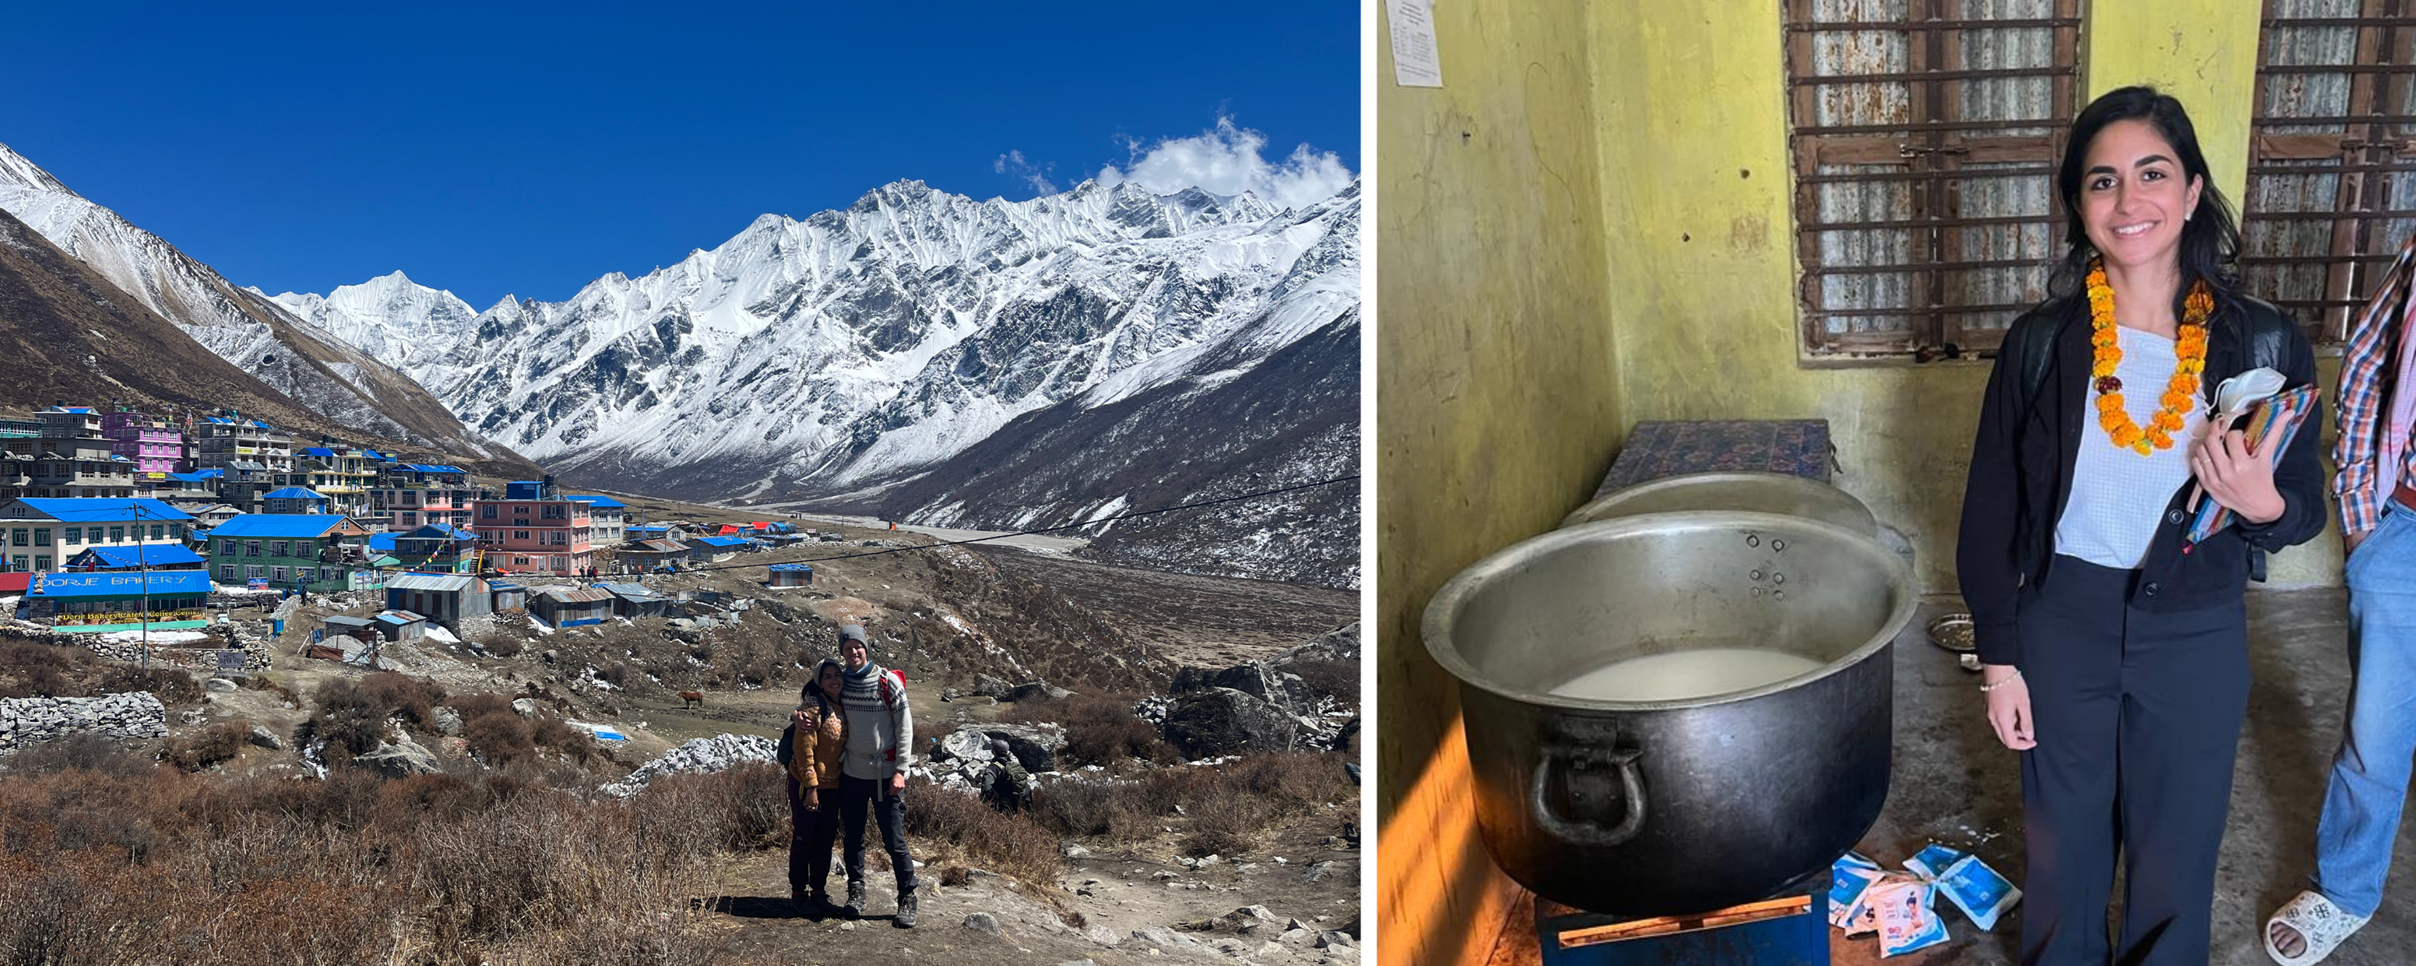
<point x="352" y="716"/>
<point x="500" y="736"/>
<point x="30" y="670"/>
<point x="1224" y="805"/>
<point x="217" y="743"/>
<point x="163" y="867"/>
<point x="414" y="699"/>
<point x="746" y="807"/>
<point x="953" y="875"/>
<point x="490" y="727"/>
<point x="1077" y="809"/>
<point x="428" y="798"/>
<point x="503" y="645"/>
<point x="274" y="684"/>
<point x="1012" y="844"/>
<point x="1099" y="729"/>
<point x="1338" y="680"/>
<point x="174" y="687"/>
<point x="92" y="753"/>
<point x="472" y="705"/>
<point x="1221" y="825"/>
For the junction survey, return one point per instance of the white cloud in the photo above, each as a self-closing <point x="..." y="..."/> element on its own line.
<point x="1012" y="163"/>
<point x="1227" y="161"/>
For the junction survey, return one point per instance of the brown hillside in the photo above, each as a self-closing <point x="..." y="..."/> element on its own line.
<point x="66" y="333"/>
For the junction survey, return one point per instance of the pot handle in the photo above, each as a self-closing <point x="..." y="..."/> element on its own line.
<point x="1584" y="832"/>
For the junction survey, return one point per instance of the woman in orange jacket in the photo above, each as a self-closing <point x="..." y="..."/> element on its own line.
<point x="813" y="784"/>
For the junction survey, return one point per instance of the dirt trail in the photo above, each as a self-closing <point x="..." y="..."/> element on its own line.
<point x="1112" y="895"/>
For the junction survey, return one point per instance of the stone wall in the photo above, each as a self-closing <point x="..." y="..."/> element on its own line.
<point x="135" y="714"/>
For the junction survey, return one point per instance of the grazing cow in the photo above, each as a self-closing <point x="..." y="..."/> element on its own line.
<point x="693" y="699"/>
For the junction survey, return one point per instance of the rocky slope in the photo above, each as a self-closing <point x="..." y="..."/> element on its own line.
<point x="341" y="384"/>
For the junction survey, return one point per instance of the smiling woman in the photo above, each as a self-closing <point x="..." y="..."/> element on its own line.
<point x="2099" y="627"/>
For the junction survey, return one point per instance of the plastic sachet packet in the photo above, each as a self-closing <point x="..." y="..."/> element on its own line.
<point x="1848" y="880"/>
<point x="1907" y="922"/>
<point x="1932" y="860"/>
<point x="1865" y="922"/>
<point x="1978" y="890"/>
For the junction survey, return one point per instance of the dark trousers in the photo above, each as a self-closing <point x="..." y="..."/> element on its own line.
<point x="889" y="809"/>
<point x="2138" y="723"/>
<point x="813" y="832"/>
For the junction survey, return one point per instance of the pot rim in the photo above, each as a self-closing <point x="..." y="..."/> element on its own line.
<point x="1444" y="607"/>
<point x="1812" y="488"/>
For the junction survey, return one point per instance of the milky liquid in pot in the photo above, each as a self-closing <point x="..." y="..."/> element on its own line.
<point x="1681" y="675"/>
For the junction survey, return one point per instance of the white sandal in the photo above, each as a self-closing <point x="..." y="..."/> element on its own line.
<point x="2321" y="926"/>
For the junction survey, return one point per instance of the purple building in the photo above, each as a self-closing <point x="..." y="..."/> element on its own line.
<point x="153" y="444"/>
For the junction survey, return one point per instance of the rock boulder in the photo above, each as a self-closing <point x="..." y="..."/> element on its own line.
<point x="1222" y="721"/>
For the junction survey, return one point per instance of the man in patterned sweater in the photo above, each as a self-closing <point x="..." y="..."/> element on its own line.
<point x="880" y="744"/>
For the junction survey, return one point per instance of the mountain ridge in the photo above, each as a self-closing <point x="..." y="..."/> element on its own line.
<point x="853" y="355"/>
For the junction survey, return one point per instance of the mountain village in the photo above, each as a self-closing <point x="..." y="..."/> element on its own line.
<point x="112" y="515"/>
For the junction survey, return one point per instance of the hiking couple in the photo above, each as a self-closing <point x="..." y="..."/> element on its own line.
<point x="847" y="747"/>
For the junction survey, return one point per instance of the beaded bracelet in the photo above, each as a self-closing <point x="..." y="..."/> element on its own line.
<point x="2010" y="678"/>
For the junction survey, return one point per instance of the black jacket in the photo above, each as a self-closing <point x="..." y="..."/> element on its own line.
<point x="2022" y="459"/>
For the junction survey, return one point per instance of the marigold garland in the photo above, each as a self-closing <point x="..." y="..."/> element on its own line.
<point x="2189" y="351"/>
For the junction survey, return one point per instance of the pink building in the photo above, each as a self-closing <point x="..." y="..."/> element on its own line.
<point x="154" y="445"/>
<point x="546" y="534"/>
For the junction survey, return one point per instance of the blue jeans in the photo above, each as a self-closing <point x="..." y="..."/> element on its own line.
<point x="2370" y="773"/>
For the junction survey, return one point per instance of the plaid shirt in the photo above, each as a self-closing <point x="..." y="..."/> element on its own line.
<point x="2374" y="364"/>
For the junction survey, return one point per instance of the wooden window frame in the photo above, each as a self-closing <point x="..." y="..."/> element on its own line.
<point x="2362" y="155"/>
<point x="1932" y="147"/>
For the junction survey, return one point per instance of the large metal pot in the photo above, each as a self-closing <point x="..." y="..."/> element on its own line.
<point x="1754" y="492"/>
<point x="1678" y="806"/>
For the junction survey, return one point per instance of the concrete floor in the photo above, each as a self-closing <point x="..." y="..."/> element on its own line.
<point x="1955" y="785"/>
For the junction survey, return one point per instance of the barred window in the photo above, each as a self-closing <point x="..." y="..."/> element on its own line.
<point x="1925" y="136"/>
<point x="2332" y="156"/>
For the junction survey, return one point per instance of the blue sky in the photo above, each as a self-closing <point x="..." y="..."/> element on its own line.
<point x="501" y="148"/>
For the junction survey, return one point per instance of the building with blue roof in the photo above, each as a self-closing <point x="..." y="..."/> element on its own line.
<point x="103" y="601"/>
<point x="226" y="438"/>
<point x="608" y="519"/>
<point x="157" y="556"/>
<point x="408" y="495"/>
<point x="294" y="499"/>
<point x="436" y="548"/>
<point x="792" y="575"/>
<point x="40" y="533"/>
<point x="321" y="552"/>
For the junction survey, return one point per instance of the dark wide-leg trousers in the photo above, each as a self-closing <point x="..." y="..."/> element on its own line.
<point x="2138" y="717"/>
<point x="812" y="833"/>
<point x="889" y="811"/>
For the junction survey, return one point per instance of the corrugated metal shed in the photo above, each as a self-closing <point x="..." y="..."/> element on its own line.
<point x="454" y="583"/>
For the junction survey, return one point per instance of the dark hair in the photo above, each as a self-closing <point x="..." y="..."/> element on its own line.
<point x="2210" y="239"/>
<point x="813" y="687"/>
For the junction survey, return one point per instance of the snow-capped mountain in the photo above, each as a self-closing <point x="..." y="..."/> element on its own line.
<point x="869" y="356"/>
<point x="348" y="386"/>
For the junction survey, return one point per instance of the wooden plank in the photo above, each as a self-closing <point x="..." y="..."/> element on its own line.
<point x="1865" y="151"/>
<point x="1946" y="197"/>
<point x="2296" y="147"/>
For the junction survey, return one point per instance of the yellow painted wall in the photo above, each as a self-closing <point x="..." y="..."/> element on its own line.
<point x="1495" y="386"/>
<point x="1694" y="126"/>
<point x="1589" y="226"/>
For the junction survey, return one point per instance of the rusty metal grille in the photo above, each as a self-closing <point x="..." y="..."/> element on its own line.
<point x="2332" y="155"/>
<point x="1925" y="135"/>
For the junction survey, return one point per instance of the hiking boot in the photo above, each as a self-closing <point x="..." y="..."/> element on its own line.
<point x="816" y="905"/>
<point x="905" y="917"/>
<point x="798" y="902"/>
<point x="855" y="899"/>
